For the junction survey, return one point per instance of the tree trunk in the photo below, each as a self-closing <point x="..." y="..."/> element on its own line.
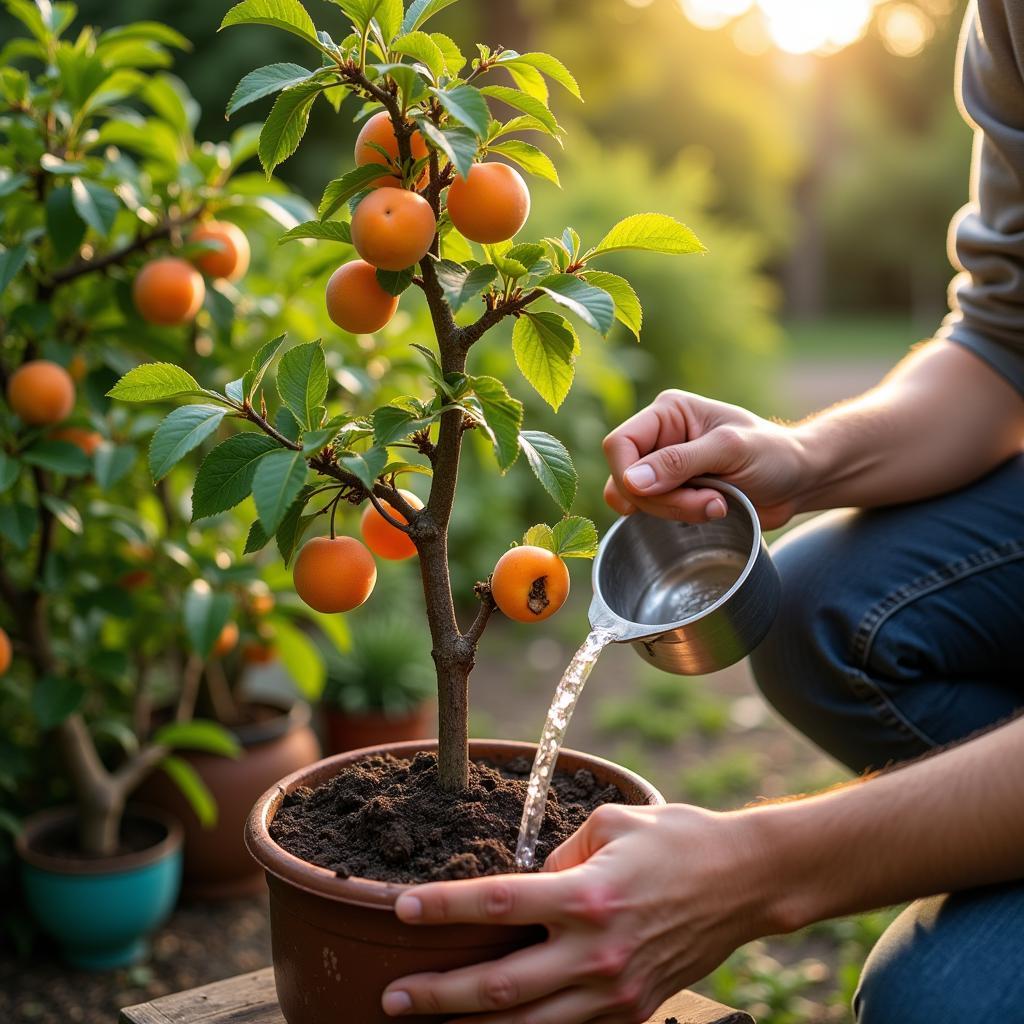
<point x="99" y="824"/>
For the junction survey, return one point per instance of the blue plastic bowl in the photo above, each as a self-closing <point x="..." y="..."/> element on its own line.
<point x="101" y="912"/>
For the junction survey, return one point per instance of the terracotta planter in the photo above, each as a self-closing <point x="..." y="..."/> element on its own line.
<point x="353" y="732"/>
<point x="337" y="943"/>
<point x="217" y="865"/>
<point x="101" y="911"/>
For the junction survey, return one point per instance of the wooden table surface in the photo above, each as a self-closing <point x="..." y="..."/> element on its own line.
<point x="251" y="999"/>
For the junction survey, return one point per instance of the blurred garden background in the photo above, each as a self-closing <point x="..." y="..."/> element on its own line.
<point x="815" y="148"/>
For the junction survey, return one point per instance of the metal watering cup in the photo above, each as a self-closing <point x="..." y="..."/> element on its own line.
<point x="691" y="598"/>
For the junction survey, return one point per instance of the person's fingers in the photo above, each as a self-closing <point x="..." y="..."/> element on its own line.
<point x="574" y="1006"/>
<point x="522" y="977"/>
<point x="673" y="465"/>
<point x="500" y="899"/>
<point x="687" y="505"/>
<point x="607" y="822"/>
<point x="614" y="499"/>
<point x="632" y="440"/>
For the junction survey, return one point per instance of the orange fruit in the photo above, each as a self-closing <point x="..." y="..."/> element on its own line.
<point x="5" y="652"/>
<point x="168" y="291"/>
<point x="41" y="392"/>
<point x="381" y="537"/>
<point x="226" y="640"/>
<point x="490" y="205"/>
<point x="334" y="575"/>
<point x="379" y="130"/>
<point x="231" y="260"/>
<point x="260" y="599"/>
<point x="258" y="654"/>
<point x="134" y="579"/>
<point x="87" y="440"/>
<point x="393" y="228"/>
<point x="529" y="584"/>
<point x="355" y="300"/>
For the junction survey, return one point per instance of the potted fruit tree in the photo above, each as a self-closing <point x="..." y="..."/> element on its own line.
<point x="428" y="208"/>
<point x="111" y="245"/>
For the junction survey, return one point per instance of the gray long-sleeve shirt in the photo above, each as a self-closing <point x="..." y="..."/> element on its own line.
<point x="987" y="236"/>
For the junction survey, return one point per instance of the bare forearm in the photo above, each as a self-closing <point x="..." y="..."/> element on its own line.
<point x="949" y="822"/>
<point x="941" y="419"/>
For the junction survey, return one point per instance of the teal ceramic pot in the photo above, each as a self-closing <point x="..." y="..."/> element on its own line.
<point x="101" y="912"/>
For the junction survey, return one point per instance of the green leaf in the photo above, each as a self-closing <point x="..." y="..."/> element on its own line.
<point x="627" y="305"/>
<point x="205" y="613"/>
<point x="367" y="466"/>
<point x="11" y="182"/>
<point x="278" y="480"/>
<point x="209" y="737"/>
<point x="96" y="205"/>
<point x="548" y="65"/>
<point x="11" y="261"/>
<point x="575" y="537"/>
<point x="420" y="10"/>
<point x="649" y="232"/>
<point x="58" y="457"/>
<point x="300" y="658"/>
<point x="544" y="346"/>
<point x="18" y="524"/>
<point x="153" y="382"/>
<point x="551" y="464"/>
<point x="394" y="282"/>
<point x="540" y="536"/>
<point x="454" y="59"/>
<point x="302" y="382"/>
<point x="64" y="512"/>
<point x="288" y="15"/>
<point x="256" y="539"/>
<point x="54" y="698"/>
<point x="192" y="787"/>
<point x="460" y="145"/>
<point x="593" y="305"/>
<point x="525" y="103"/>
<point x="391" y="424"/>
<point x="328" y="231"/>
<point x="253" y="378"/>
<point x="293" y="526"/>
<point x="286" y="124"/>
<point x="263" y="82"/>
<point x="411" y="80"/>
<point x="466" y="104"/>
<point x="341" y="190"/>
<point x="530" y="158"/>
<point x="502" y="417"/>
<point x="182" y="431"/>
<point x="112" y="463"/>
<point x="64" y="227"/>
<point x="10" y="468"/>
<point x="389" y="15"/>
<point x="460" y="284"/>
<point x="421" y="47"/>
<point x="225" y="475"/>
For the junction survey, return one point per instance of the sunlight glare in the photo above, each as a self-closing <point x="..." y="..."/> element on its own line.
<point x="905" y="30"/>
<point x="714" y="13"/>
<point x="806" y="26"/>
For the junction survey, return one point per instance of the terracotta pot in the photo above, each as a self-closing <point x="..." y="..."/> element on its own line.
<point x="374" y="728"/>
<point x="217" y="866"/>
<point x="337" y="943"/>
<point x="100" y="910"/>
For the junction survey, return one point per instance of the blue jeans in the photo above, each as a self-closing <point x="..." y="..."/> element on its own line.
<point x="902" y="630"/>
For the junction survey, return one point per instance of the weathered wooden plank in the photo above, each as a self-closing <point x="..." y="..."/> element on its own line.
<point x="251" y="999"/>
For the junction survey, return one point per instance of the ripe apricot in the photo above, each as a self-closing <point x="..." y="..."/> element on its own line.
<point x="530" y="584"/>
<point x="355" y="300"/>
<point x="491" y="205"/>
<point x="135" y="579"/>
<point x="381" y="537"/>
<point x="392" y="228"/>
<point x="334" y="575"/>
<point x="78" y="367"/>
<point x="168" y="291"/>
<point x="226" y="640"/>
<point x="87" y="440"/>
<point x="254" y="653"/>
<point x="41" y="392"/>
<point x="5" y="652"/>
<point x="380" y="131"/>
<point x="231" y="260"/>
<point x="259" y="599"/>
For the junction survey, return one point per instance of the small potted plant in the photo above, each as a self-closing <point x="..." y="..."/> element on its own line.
<point x="431" y="208"/>
<point x="105" y="238"/>
<point x="381" y="689"/>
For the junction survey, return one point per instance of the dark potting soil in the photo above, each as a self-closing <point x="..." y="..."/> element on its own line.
<point x="137" y="834"/>
<point x="387" y="819"/>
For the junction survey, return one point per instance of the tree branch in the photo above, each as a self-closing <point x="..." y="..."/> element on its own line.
<point x="251" y="414"/>
<point x="487" y="607"/>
